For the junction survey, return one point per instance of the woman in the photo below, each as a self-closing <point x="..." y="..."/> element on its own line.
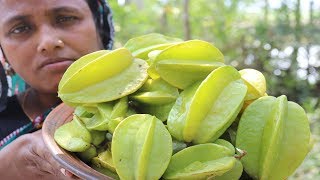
<point x="40" y="39"/>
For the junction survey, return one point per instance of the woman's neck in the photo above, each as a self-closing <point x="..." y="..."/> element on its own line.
<point x="35" y="103"/>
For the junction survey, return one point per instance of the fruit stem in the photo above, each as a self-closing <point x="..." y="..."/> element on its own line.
<point x="242" y="153"/>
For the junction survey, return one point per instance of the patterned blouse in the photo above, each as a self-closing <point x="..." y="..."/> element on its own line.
<point x="14" y="122"/>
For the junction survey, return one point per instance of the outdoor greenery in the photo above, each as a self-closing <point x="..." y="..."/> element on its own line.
<point x="282" y="41"/>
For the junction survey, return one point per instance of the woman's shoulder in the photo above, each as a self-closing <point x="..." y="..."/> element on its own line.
<point x="12" y="117"/>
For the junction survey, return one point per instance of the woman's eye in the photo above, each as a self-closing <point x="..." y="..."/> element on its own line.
<point x="65" y="19"/>
<point x="20" y="29"/>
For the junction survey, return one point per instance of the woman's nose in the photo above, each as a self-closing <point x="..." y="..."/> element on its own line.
<point x="49" y="40"/>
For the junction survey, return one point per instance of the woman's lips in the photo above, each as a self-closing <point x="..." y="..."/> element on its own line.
<point x="57" y="64"/>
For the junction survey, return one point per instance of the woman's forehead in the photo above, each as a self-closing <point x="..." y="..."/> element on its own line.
<point x="38" y="2"/>
<point x="16" y="6"/>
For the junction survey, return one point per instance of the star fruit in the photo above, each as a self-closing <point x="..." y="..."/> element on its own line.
<point x="275" y="134"/>
<point x="205" y="110"/>
<point x="88" y="79"/>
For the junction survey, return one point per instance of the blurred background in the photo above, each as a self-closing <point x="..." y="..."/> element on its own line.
<point x="280" y="38"/>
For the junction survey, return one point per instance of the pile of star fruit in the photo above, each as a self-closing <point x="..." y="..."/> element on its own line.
<point x="163" y="108"/>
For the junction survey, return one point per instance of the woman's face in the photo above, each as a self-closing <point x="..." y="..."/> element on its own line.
<point x="41" y="38"/>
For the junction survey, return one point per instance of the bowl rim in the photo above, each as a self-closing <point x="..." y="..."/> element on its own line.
<point x="66" y="159"/>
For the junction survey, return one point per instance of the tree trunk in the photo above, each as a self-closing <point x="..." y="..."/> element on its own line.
<point x="297" y="36"/>
<point x="126" y="2"/>
<point x="311" y="12"/>
<point x="266" y="11"/>
<point x="186" y="20"/>
<point x="294" y="63"/>
<point x="140" y="4"/>
<point x="298" y="21"/>
<point x="164" y="20"/>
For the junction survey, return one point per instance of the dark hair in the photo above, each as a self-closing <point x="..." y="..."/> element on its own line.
<point x="3" y="88"/>
<point x="102" y="15"/>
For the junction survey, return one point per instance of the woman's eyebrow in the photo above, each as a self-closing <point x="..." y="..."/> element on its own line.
<point x="65" y="9"/>
<point x="17" y="18"/>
